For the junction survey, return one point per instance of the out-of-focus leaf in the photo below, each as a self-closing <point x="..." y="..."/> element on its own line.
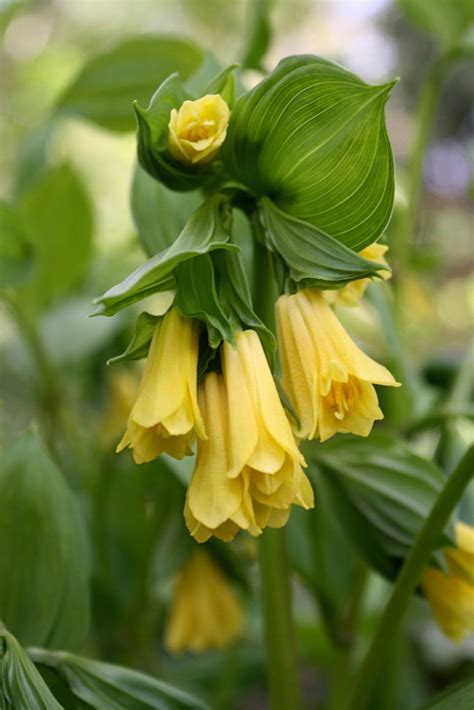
<point x="43" y="558"/>
<point x="109" y="687"/>
<point x="58" y="220"/>
<point x="204" y="232"/>
<point x="382" y="493"/>
<point x="70" y="335"/>
<point x="312" y="257"/>
<point x="259" y="34"/>
<point x="105" y="88"/>
<point x="15" y="253"/>
<point x="456" y="697"/>
<point x="446" y="20"/>
<point x="22" y="685"/>
<point x="159" y="214"/>
<point x="312" y="136"/>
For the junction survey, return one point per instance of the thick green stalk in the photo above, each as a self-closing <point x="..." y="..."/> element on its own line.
<point x="407" y="581"/>
<point x="282" y="667"/>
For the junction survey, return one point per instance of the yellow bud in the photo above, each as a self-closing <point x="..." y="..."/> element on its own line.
<point x="198" y="129"/>
<point x="327" y="378"/>
<point x="205" y="613"/>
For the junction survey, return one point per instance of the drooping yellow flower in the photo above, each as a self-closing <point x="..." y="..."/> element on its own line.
<point x="205" y="613"/>
<point x="248" y="472"/>
<point x="351" y="294"/>
<point x="327" y="378"/>
<point x="198" y="129"/>
<point x="166" y="416"/>
<point x="451" y="595"/>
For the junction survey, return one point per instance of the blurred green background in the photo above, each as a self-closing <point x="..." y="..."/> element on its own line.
<point x="70" y="179"/>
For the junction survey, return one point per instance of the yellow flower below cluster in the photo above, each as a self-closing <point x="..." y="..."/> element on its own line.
<point x="205" y="613"/>
<point x="351" y="294"/>
<point x="198" y="129"/>
<point x="166" y="416"/>
<point x="248" y="472"/>
<point x="327" y="378"/>
<point x="451" y="595"/>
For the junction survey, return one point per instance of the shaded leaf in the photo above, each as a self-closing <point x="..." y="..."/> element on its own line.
<point x="107" y="85"/>
<point x="459" y="696"/>
<point x="204" y="232"/>
<point x="109" y="687"/>
<point x="312" y="257"/>
<point x="140" y="343"/>
<point x="444" y="19"/>
<point x="22" y="685"/>
<point x="382" y="493"/>
<point x="15" y="252"/>
<point x="44" y="595"/>
<point x="312" y="137"/>
<point x="259" y="35"/>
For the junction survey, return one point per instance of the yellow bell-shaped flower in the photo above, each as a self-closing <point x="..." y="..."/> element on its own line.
<point x="351" y="294"/>
<point x="327" y="378"/>
<point x="205" y="613"/>
<point x="166" y="416"/>
<point x="451" y="595"/>
<point x="248" y="472"/>
<point x="198" y="129"/>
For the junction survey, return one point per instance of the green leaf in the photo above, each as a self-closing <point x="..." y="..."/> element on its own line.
<point x="197" y="297"/>
<point x="22" y="686"/>
<point x="446" y="20"/>
<point x="58" y="221"/>
<point x="109" y="687"/>
<point x="204" y="232"/>
<point x="312" y="137"/>
<point x="44" y="596"/>
<point x="312" y="257"/>
<point x="223" y="84"/>
<point x="105" y="88"/>
<point x="159" y="214"/>
<point x="259" y="34"/>
<point x="459" y="696"/>
<point x="15" y="252"/>
<point x="381" y="490"/>
<point x="140" y="343"/>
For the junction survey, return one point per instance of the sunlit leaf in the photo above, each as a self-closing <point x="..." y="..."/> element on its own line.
<point x="312" y="137"/>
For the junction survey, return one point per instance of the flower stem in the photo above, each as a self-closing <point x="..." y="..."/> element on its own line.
<point x="282" y="670"/>
<point x="407" y="581"/>
<point x="282" y="667"/>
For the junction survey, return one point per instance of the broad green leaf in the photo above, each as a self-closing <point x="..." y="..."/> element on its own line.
<point x="381" y="491"/>
<point x="22" y="685"/>
<point x="259" y="34"/>
<point x="312" y="257"/>
<point x="446" y="20"/>
<point x="58" y="221"/>
<point x="105" y="88"/>
<point x="204" y="232"/>
<point x="159" y="214"/>
<point x="312" y="137"/>
<point x="15" y="252"/>
<point x="108" y="687"/>
<point x="456" y="697"/>
<point x="44" y="595"/>
<point x="197" y="297"/>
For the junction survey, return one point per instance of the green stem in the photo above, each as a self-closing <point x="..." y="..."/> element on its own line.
<point x="408" y="580"/>
<point x="282" y="668"/>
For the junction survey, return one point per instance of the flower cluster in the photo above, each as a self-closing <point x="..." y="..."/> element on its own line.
<point x="451" y="594"/>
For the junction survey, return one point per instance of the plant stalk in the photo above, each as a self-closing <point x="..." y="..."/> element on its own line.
<point x="281" y="659"/>
<point x="408" y="580"/>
